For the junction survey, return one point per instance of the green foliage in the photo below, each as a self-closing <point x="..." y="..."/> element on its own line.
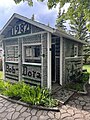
<point x="29" y="94"/>
<point x="75" y="10"/>
<point x="14" y="90"/>
<point x="78" y="86"/>
<point x="75" y="86"/>
<point x="50" y="102"/>
<point x="85" y="77"/>
<point x="1" y="75"/>
<point x="61" y="21"/>
<point x="4" y="86"/>
<point x="39" y="96"/>
<point x="87" y="67"/>
<point x="75" y="7"/>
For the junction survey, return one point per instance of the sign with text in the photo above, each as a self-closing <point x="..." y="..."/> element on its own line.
<point x="21" y="28"/>
<point x="32" y="72"/>
<point x="11" y="71"/>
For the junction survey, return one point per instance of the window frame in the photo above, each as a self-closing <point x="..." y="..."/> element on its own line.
<point x="75" y="50"/>
<point x="14" y="50"/>
<point x="31" y="57"/>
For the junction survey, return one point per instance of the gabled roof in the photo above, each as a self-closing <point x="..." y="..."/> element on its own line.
<point x="40" y="25"/>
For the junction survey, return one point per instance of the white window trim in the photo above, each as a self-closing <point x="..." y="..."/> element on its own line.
<point x="34" y="64"/>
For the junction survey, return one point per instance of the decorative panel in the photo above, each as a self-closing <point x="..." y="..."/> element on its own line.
<point x="19" y="27"/>
<point x="11" y="71"/>
<point x="13" y="41"/>
<point x="31" y="74"/>
<point x="32" y="39"/>
<point x="73" y="68"/>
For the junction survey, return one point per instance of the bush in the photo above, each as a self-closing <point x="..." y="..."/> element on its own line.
<point x="78" y="85"/>
<point x="85" y="76"/>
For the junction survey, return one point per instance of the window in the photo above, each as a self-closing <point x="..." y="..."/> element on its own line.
<point x="12" y="53"/>
<point x="32" y="53"/>
<point x="75" y="51"/>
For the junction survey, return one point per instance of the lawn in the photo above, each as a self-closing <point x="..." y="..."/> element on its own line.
<point x="1" y="75"/>
<point x="87" y="67"/>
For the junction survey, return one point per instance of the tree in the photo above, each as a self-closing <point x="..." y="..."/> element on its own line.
<point x="78" y="26"/>
<point x="79" y="30"/>
<point x="60" y="22"/>
<point x="74" y="7"/>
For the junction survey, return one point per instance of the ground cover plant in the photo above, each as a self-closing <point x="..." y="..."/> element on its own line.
<point x="29" y="94"/>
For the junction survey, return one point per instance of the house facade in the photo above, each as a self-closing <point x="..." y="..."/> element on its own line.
<point x="39" y="54"/>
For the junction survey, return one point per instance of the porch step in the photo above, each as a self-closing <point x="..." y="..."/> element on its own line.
<point x="56" y="87"/>
<point x="62" y="95"/>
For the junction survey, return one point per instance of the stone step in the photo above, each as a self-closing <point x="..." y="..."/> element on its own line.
<point x="62" y="95"/>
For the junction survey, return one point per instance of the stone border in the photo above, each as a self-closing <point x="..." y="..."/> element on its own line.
<point x="56" y="109"/>
<point x="84" y="88"/>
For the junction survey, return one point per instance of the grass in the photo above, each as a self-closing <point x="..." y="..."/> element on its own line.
<point x="87" y="67"/>
<point x="1" y="75"/>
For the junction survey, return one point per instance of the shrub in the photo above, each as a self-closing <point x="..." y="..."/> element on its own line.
<point x="85" y="76"/>
<point x="75" y="86"/>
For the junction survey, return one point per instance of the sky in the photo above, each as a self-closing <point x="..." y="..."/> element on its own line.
<point x="39" y="9"/>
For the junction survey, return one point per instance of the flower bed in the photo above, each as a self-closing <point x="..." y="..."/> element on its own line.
<point x="28" y="94"/>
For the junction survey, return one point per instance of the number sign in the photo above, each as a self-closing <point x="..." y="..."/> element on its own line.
<point x="21" y="28"/>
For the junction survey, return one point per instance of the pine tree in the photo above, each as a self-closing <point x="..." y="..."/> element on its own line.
<point x="78" y="26"/>
<point x="60" y="22"/>
<point x="81" y="4"/>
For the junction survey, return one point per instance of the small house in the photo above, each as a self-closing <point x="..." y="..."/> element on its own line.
<point x="39" y="54"/>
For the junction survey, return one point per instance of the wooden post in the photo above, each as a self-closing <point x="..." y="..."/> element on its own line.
<point x="49" y="61"/>
<point x="4" y="59"/>
<point x="61" y="53"/>
<point x="20" y="58"/>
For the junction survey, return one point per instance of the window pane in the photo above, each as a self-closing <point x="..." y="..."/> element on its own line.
<point x="28" y="51"/>
<point x="12" y="53"/>
<point x="32" y="53"/>
<point x="75" y="50"/>
<point x="37" y="51"/>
